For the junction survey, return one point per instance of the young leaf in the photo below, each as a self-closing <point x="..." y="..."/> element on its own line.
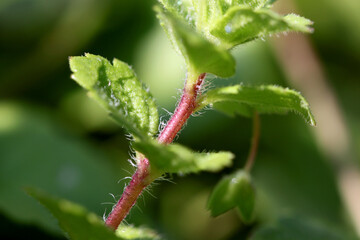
<point x="264" y="99"/>
<point x="241" y="24"/>
<point x="75" y="220"/>
<point x="201" y="56"/>
<point x="116" y="87"/>
<point x="232" y="191"/>
<point x="175" y="158"/>
<point x="250" y="3"/>
<point x="207" y="12"/>
<point x="203" y="13"/>
<point x="182" y="9"/>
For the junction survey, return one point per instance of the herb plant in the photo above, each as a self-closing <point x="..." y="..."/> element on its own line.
<point x="203" y="32"/>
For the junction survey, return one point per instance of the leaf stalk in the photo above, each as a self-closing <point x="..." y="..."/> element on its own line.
<point x="254" y="142"/>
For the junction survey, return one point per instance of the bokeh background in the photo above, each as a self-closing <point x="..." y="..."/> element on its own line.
<point x="55" y="138"/>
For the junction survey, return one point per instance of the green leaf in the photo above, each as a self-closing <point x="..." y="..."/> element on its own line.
<point x="203" y="13"/>
<point x="298" y="23"/>
<point x="298" y="229"/>
<point x="241" y="24"/>
<point x="116" y="87"/>
<point x="75" y="220"/>
<point x="207" y="12"/>
<point x="264" y="99"/>
<point x="250" y="3"/>
<point x="175" y="158"/>
<point x="80" y="224"/>
<point x="235" y="190"/>
<point x="130" y="232"/>
<point x="36" y="150"/>
<point x="182" y="9"/>
<point x="201" y="56"/>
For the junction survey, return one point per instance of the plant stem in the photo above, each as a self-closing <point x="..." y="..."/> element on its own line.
<point x="138" y="182"/>
<point x="142" y="177"/>
<point x="182" y="113"/>
<point x="254" y="142"/>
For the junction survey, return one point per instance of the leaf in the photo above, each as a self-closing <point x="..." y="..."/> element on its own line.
<point x="75" y="220"/>
<point x="80" y="224"/>
<point x="235" y="190"/>
<point x="298" y="229"/>
<point x="201" y="56"/>
<point x="264" y="99"/>
<point x="182" y="9"/>
<point x="203" y="13"/>
<point x="36" y="150"/>
<point x="207" y="12"/>
<point x="130" y="232"/>
<point x="250" y="3"/>
<point x="117" y="88"/>
<point x="241" y="24"/>
<point x="175" y="158"/>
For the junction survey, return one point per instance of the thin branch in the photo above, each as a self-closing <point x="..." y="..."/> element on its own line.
<point x="254" y="142"/>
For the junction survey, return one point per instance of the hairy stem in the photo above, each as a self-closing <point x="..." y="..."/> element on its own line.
<point x="254" y="142"/>
<point x="138" y="182"/>
<point x="142" y="177"/>
<point x="182" y="113"/>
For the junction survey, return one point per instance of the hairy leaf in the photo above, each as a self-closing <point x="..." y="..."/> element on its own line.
<point x="182" y="9"/>
<point x="203" y="13"/>
<point x="235" y="190"/>
<point x="201" y="56"/>
<point x="207" y="12"/>
<point x="250" y="3"/>
<point x="241" y="24"/>
<point x="116" y="87"/>
<point x="175" y="158"/>
<point x="264" y="99"/>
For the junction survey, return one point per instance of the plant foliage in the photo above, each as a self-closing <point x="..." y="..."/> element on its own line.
<point x="202" y="32"/>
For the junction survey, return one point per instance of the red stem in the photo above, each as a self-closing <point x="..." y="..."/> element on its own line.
<point x="141" y="177"/>
<point x="182" y="113"/>
<point x="138" y="182"/>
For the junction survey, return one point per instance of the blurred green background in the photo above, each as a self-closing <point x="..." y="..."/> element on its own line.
<point x="53" y="137"/>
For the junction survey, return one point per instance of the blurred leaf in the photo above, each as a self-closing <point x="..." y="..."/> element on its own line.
<point x="241" y="24"/>
<point x="36" y="151"/>
<point x="79" y="223"/>
<point x="235" y="190"/>
<point x="49" y="24"/>
<point x="201" y="56"/>
<point x="117" y="89"/>
<point x="297" y="229"/>
<point x="175" y="158"/>
<point x="264" y="99"/>
<point x="130" y="232"/>
<point x="75" y="220"/>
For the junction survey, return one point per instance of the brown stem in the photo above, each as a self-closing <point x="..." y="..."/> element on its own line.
<point x="141" y="177"/>
<point x="254" y="142"/>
